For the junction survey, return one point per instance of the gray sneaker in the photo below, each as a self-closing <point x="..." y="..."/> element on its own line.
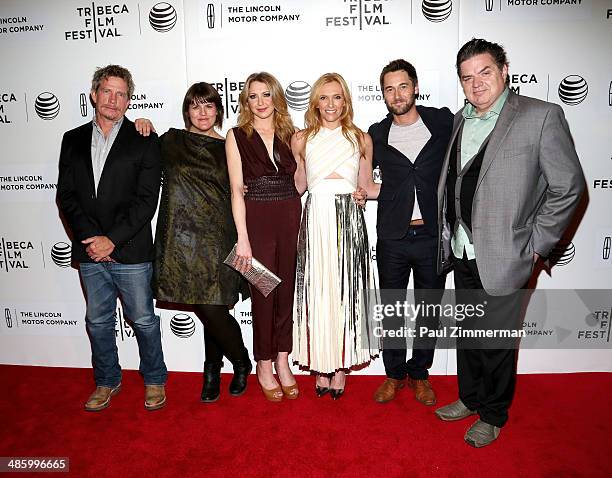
<point x="481" y="434"/>
<point x="454" y="411"/>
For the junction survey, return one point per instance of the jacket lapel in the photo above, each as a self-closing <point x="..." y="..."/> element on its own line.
<point x="85" y="153"/>
<point x="504" y="122"/>
<point x="115" y="151"/>
<point x="457" y="128"/>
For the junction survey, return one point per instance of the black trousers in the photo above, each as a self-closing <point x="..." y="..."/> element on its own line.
<point x="222" y="334"/>
<point x="396" y="259"/>
<point x="486" y="374"/>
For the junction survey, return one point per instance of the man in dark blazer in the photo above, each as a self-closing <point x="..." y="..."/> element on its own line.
<point x="409" y="146"/>
<point x="108" y="186"/>
<point x="510" y="184"/>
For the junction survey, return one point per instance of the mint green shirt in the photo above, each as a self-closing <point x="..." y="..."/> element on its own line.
<point x="475" y="131"/>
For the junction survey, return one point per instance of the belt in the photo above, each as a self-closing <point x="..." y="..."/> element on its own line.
<point x="270" y="188"/>
<point x="417" y="222"/>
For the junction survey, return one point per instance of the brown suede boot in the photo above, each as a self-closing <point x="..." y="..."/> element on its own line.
<point x="100" y="398"/>
<point x="155" y="397"/>
<point x="388" y="389"/>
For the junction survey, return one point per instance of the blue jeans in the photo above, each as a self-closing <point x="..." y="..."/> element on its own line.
<point x="104" y="282"/>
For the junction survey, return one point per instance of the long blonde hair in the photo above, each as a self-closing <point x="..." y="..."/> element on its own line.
<point x="312" y="117"/>
<point x="283" y="125"/>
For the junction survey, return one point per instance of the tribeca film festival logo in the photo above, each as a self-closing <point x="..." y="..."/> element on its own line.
<point x="61" y="253"/>
<point x="123" y="329"/>
<point x="238" y="13"/>
<point x="98" y="22"/>
<point x="5" y="103"/>
<point x="297" y="95"/>
<point x="563" y="253"/>
<point x="362" y="14"/>
<point x="18" y="24"/>
<point x="182" y="325"/>
<point x="599" y="326"/>
<point x="437" y="10"/>
<point x="162" y="17"/>
<point x="16" y="255"/>
<point x="229" y="90"/>
<point x="573" y="89"/>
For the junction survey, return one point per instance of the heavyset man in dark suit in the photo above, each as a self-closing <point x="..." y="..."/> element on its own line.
<point x="409" y="146"/>
<point x="108" y="187"/>
<point x="509" y="186"/>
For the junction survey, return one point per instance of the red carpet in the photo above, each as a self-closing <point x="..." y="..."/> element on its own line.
<point x="560" y="426"/>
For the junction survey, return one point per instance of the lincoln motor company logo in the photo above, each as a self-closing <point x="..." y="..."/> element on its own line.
<point x="210" y="15"/>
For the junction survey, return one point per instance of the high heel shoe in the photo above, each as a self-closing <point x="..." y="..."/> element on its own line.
<point x="273" y="394"/>
<point x="291" y="392"/>
<point x="320" y="391"/>
<point x="336" y="393"/>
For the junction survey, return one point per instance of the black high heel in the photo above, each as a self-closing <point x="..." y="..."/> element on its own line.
<point x="320" y="391"/>
<point x="336" y="393"/>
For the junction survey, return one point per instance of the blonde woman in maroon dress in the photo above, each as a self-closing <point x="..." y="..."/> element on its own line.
<point x="267" y="220"/>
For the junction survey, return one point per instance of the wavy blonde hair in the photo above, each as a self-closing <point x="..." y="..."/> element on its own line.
<point x="283" y="125"/>
<point x="312" y="117"/>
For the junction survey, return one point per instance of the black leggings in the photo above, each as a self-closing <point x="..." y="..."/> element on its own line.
<point x="222" y="334"/>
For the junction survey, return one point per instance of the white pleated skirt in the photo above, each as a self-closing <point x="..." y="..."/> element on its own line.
<point x="335" y="283"/>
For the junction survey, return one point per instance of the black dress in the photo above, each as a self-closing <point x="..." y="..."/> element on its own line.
<point x="195" y="228"/>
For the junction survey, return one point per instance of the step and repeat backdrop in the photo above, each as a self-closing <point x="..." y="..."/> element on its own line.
<point x="559" y="51"/>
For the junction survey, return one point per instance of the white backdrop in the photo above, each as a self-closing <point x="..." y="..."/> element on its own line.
<point x="49" y="50"/>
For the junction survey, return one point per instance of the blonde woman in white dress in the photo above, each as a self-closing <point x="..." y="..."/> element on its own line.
<point x="332" y="332"/>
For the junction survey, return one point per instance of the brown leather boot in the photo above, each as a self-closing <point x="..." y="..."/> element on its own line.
<point x="155" y="397"/>
<point x="388" y="389"/>
<point x="422" y="391"/>
<point x="100" y="398"/>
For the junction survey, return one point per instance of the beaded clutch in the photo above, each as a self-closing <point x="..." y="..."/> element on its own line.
<point x="258" y="275"/>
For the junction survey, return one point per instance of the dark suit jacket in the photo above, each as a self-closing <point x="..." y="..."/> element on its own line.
<point x="400" y="176"/>
<point x="126" y="199"/>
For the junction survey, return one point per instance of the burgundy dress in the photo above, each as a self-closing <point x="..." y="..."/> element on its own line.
<point x="273" y="209"/>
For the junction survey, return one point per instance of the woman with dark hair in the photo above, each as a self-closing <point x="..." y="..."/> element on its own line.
<point x="267" y="221"/>
<point x="332" y="333"/>
<point x="195" y="233"/>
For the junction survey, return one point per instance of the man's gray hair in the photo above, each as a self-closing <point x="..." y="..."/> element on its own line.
<point x="117" y="71"/>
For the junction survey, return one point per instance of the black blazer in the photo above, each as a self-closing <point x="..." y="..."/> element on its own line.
<point x="127" y="194"/>
<point x="400" y="175"/>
